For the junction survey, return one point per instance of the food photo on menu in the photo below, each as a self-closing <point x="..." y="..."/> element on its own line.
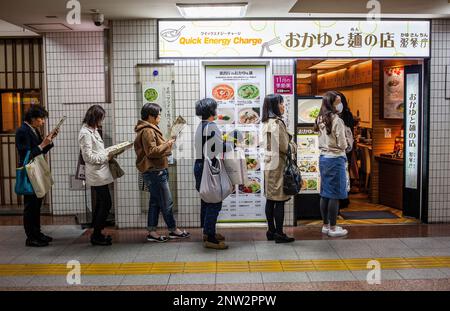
<point x="308" y="110"/>
<point x="225" y="116"/>
<point x="223" y="92"/>
<point x="248" y="91"/>
<point x="249" y="115"/>
<point x="253" y="163"/>
<point x="253" y="186"/>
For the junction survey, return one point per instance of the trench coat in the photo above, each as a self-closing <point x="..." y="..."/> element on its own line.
<point x="275" y="141"/>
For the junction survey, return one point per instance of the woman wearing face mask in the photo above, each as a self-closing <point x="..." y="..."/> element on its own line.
<point x="332" y="145"/>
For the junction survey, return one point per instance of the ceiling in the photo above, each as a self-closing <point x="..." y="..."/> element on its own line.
<point x="25" y="12"/>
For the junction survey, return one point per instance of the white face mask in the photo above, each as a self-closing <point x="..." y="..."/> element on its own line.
<point x="339" y="108"/>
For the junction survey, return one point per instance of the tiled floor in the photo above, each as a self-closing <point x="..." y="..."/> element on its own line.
<point x="422" y="261"/>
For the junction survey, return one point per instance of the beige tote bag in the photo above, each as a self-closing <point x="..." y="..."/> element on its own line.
<point x="40" y="176"/>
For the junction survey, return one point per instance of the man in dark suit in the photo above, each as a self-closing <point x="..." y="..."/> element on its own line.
<point x="29" y="138"/>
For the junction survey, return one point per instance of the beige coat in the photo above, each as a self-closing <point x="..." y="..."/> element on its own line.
<point x="95" y="156"/>
<point x="275" y="141"/>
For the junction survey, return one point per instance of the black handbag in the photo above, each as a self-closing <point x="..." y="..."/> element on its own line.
<point x="292" y="181"/>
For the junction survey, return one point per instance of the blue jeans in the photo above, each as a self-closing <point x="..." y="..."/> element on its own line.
<point x="160" y="199"/>
<point x="209" y="212"/>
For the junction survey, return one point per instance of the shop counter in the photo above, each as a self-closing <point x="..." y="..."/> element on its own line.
<point x="391" y="181"/>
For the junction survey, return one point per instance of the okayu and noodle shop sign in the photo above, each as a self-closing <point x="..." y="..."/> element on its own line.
<point x="293" y="38"/>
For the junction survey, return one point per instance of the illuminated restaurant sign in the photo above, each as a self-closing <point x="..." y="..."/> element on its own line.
<point x="412" y="130"/>
<point x="293" y="38"/>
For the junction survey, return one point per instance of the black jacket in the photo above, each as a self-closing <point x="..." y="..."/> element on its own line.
<point x="26" y="141"/>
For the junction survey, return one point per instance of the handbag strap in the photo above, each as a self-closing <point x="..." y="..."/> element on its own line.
<point x="205" y="154"/>
<point x="27" y="158"/>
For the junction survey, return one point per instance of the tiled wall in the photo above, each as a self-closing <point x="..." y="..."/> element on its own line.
<point x="74" y="63"/>
<point x="439" y="182"/>
<point x="75" y="80"/>
<point x="135" y="42"/>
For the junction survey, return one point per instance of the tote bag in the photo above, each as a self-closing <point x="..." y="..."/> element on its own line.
<point x="236" y="167"/>
<point x="40" y="176"/>
<point x="23" y="185"/>
<point x="116" y="170"/>
<point x="215" y="185"/>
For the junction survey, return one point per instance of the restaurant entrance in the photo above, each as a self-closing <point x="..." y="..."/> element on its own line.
<point x="388" y="118"/>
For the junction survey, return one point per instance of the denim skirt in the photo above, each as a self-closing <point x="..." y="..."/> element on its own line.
<point x="333" y="177"/>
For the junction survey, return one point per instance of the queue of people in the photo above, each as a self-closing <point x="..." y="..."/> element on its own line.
<point x="152" y="152"/>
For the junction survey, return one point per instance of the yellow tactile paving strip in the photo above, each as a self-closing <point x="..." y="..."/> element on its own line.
<point x="225" y="266"/>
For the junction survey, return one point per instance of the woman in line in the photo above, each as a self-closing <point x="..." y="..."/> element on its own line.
<point x="332" y="145"/>
<point x="208" y="133"/>
<point x="152" y="152"/>
<point x="349" y="122"/>
<point x="97" y="172"/>
<point x="276" y="141"/>
<point x="29" y="139"/>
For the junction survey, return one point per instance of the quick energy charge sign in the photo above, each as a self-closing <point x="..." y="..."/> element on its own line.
<point x="293" y="38"/>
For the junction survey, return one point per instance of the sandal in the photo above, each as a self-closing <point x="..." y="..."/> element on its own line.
<point x="183" y="235"/>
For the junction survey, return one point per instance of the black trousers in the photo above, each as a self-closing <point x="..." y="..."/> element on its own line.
<point x="275" y="216"/>
<point x="32" y="216"/>
<point x="103" y="205"/>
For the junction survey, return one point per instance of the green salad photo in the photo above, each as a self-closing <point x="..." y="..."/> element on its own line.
<point x="151" y="95"/>
<point x="248" y="91"/>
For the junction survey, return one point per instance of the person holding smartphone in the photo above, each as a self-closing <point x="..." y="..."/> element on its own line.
<point x="152" y="152"/>
<point x="30" y="139"/>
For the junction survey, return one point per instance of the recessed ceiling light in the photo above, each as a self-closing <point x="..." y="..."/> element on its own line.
<point x="212" y="10"/>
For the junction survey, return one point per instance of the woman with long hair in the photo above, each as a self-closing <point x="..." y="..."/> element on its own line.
<point x="276" y="142"/>
<point x="332" y="145"/>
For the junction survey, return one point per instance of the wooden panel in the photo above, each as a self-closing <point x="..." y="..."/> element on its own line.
<point x="391" y="182"/>
<point x="343" y="78"/>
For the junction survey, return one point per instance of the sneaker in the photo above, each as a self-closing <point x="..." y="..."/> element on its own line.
<point x="325" y="229"/>
<point x="183" y="235"/>
<point x="218" y="237"/>
<point x="337" y="232"/>
<point x="283" y="238"/>
<point x="213" y="245"/>
<point x="270" y="235"/>
<point x="160" y="239"/>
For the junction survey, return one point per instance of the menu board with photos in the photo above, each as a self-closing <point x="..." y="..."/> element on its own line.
<point x="239" y="92"/>
<point x="308" y="159"/>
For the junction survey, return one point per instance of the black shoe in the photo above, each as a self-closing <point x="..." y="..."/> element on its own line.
<point x="106" y="237"/>
<point x="36" y="243"/>
<point x="270" y="235"/>
<point x="283" y="238"/>
<point x="45" y="238"/>
<point x="101" y="240"/>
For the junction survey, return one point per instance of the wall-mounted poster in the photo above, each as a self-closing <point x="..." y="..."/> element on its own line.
<point x="308" y="159"/>
<point x="393" y="92"/>
<point x="239" y="91"/>
<point x="160" y="93"/>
